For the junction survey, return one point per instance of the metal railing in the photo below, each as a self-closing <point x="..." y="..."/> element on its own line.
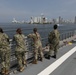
<point x="44" y="42"/>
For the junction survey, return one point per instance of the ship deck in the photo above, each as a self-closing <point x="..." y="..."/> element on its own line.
<point x="64" y="64"/>
<point x="67" y="67"/>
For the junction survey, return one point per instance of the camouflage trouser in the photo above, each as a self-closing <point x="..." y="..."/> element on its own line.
<point x="53" y="48"/>
<point x="37" y="52"/>
<point x="20" y="57"/>
<point x="5" y="59"/>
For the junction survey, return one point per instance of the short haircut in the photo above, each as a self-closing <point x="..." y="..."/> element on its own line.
<point x="55" y="26"/>
<point x="35" y="29"/>
<point x="1" y="30"/>
<point x="19" y="31"/>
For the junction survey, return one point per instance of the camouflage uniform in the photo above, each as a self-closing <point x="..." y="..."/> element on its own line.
<point x="53" y="39"/>
<point x="37" y="45"/>
<point x="4" y="51"/>
<point x="20" y="49"/>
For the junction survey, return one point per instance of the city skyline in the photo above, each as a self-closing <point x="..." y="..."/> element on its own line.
<point x="24" y="9"/>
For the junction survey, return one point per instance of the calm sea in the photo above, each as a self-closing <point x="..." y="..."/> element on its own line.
<point x="43" y="29"/>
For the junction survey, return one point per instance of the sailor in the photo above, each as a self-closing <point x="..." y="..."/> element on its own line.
<point x="4" y="52"/>
<point x="20" y="50"/>
<point x="37" y="45"/>
<point x="53" y="39"/>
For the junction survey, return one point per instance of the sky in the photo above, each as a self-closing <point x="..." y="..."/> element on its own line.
<point x="24" y="9"/>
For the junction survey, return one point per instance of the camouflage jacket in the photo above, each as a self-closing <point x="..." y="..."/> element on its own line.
<point x="4" y="42"/>
<point x="36" y="39"/>
<point x="53" y="37"/>
<point x="20" y="42"/>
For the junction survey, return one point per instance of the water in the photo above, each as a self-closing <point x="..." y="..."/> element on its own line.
<point x="43" y="29"/>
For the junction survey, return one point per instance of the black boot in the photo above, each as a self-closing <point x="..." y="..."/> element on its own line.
<point x="41" y="59"/>
<point x="54" y="56"/>
<point x="48" y="57"/>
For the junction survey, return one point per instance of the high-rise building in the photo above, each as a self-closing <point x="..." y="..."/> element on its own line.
<point x="75" y="20"/>
<point x="31" y="20"/>
<point x="42" y="18"/>
<point x="59" y="19"/>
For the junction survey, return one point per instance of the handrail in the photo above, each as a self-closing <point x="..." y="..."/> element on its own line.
<point x="62" y="37"/>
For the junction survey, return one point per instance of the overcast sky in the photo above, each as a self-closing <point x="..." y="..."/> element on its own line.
<point x="24" y="9"/>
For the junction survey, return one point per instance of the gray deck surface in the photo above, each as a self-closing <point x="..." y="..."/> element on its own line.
<point x="66" y="68"/>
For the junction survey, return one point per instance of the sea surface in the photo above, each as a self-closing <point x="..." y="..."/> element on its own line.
<point x="43" y="29"/>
